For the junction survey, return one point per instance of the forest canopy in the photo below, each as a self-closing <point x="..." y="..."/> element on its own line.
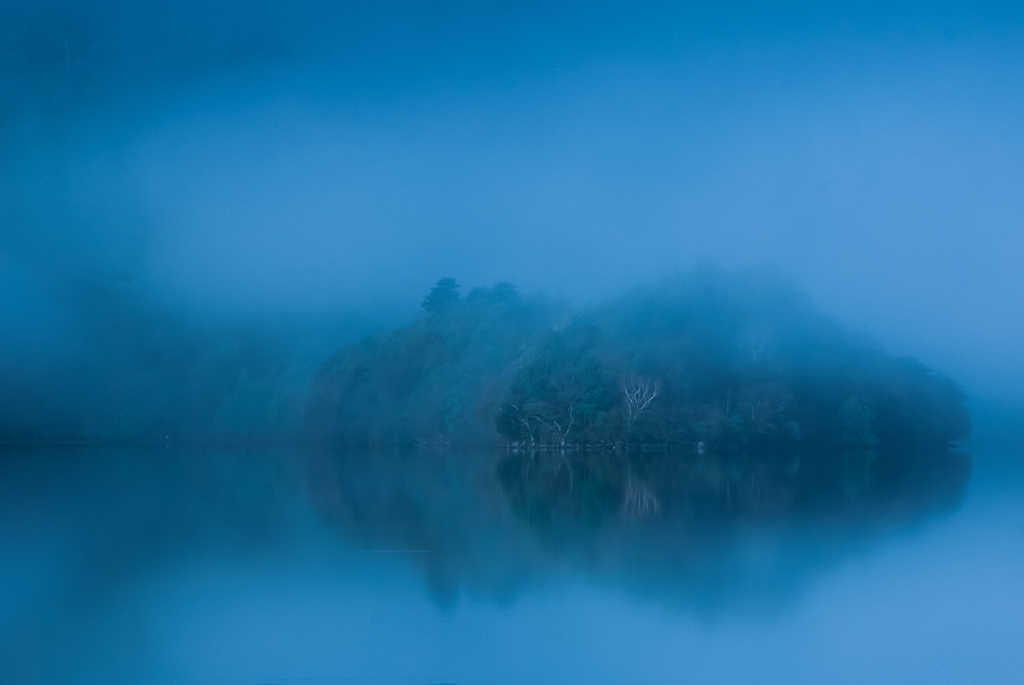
<point x="706" y="360"/>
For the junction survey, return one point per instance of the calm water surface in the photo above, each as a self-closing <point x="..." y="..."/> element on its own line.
<point x="202" y="566"/>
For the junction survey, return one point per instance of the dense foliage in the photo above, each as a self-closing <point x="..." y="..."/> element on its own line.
<point x="705" y="360"/>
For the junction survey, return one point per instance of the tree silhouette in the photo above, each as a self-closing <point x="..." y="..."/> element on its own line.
<point x="442" y="296"/>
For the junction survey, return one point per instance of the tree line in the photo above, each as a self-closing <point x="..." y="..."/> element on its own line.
<point x="706" y="360"/>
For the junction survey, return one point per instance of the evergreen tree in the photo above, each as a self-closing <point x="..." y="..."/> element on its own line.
<point x="442" y="296"/>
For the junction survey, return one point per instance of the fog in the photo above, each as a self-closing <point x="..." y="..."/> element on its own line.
<point x="510" y="342"/>
<point x="315" y="168"/>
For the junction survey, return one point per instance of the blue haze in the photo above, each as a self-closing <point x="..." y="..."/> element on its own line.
<point x="317" y="157"/>
<point x="316" y="166"/>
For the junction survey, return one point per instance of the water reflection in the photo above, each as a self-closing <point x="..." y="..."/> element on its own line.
<point x="709" y="492"/>
<point x="709" y="530"/>
<point x="84" y="531"/>
<point x="484" y="520"/>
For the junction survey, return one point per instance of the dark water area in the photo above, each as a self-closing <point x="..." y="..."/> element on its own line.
<point x="145" y="565"/>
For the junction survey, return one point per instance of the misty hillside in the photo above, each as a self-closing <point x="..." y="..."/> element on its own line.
<point x="109" y="365"/>
<point x="704" y="360"/>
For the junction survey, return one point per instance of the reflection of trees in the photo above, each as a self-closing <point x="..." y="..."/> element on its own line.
<point x="657" y="519"/>
<point x="483" y="523"/>
<point x="684" y="529"/>
<point x="715" y="489"/>
<point x="442" y="512"/>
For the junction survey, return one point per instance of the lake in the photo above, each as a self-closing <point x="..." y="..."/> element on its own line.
<point x="174" y="565"/>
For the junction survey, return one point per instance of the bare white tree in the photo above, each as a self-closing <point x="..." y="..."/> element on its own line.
<point x="569" y="392"/>
<point x="524" y="419"/>
<point x="638" y="394"/>
<point x="762" y="402"/>
<point x="758" y="341"/>
<point x="554" y="427"/>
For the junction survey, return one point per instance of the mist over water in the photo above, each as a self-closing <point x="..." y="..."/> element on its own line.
<point x="130" y="565"/>
<point x="221" y="229"/>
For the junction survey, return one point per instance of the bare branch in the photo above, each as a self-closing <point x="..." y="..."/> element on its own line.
<point x="758" y="341"/>
<point x="638" y="394"/>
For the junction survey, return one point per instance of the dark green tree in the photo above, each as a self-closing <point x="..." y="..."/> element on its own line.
<point x="442" y="296"/>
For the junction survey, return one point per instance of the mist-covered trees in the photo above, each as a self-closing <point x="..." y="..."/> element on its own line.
<point x="705" y="361"/>
<point x="724" y="361"/>
<point x="553" y="393"/>
<point x="442" y="296"/>
<point x="438" y="379"/>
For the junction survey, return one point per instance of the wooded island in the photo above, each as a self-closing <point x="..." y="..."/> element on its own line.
<point x="708" y="360"/>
